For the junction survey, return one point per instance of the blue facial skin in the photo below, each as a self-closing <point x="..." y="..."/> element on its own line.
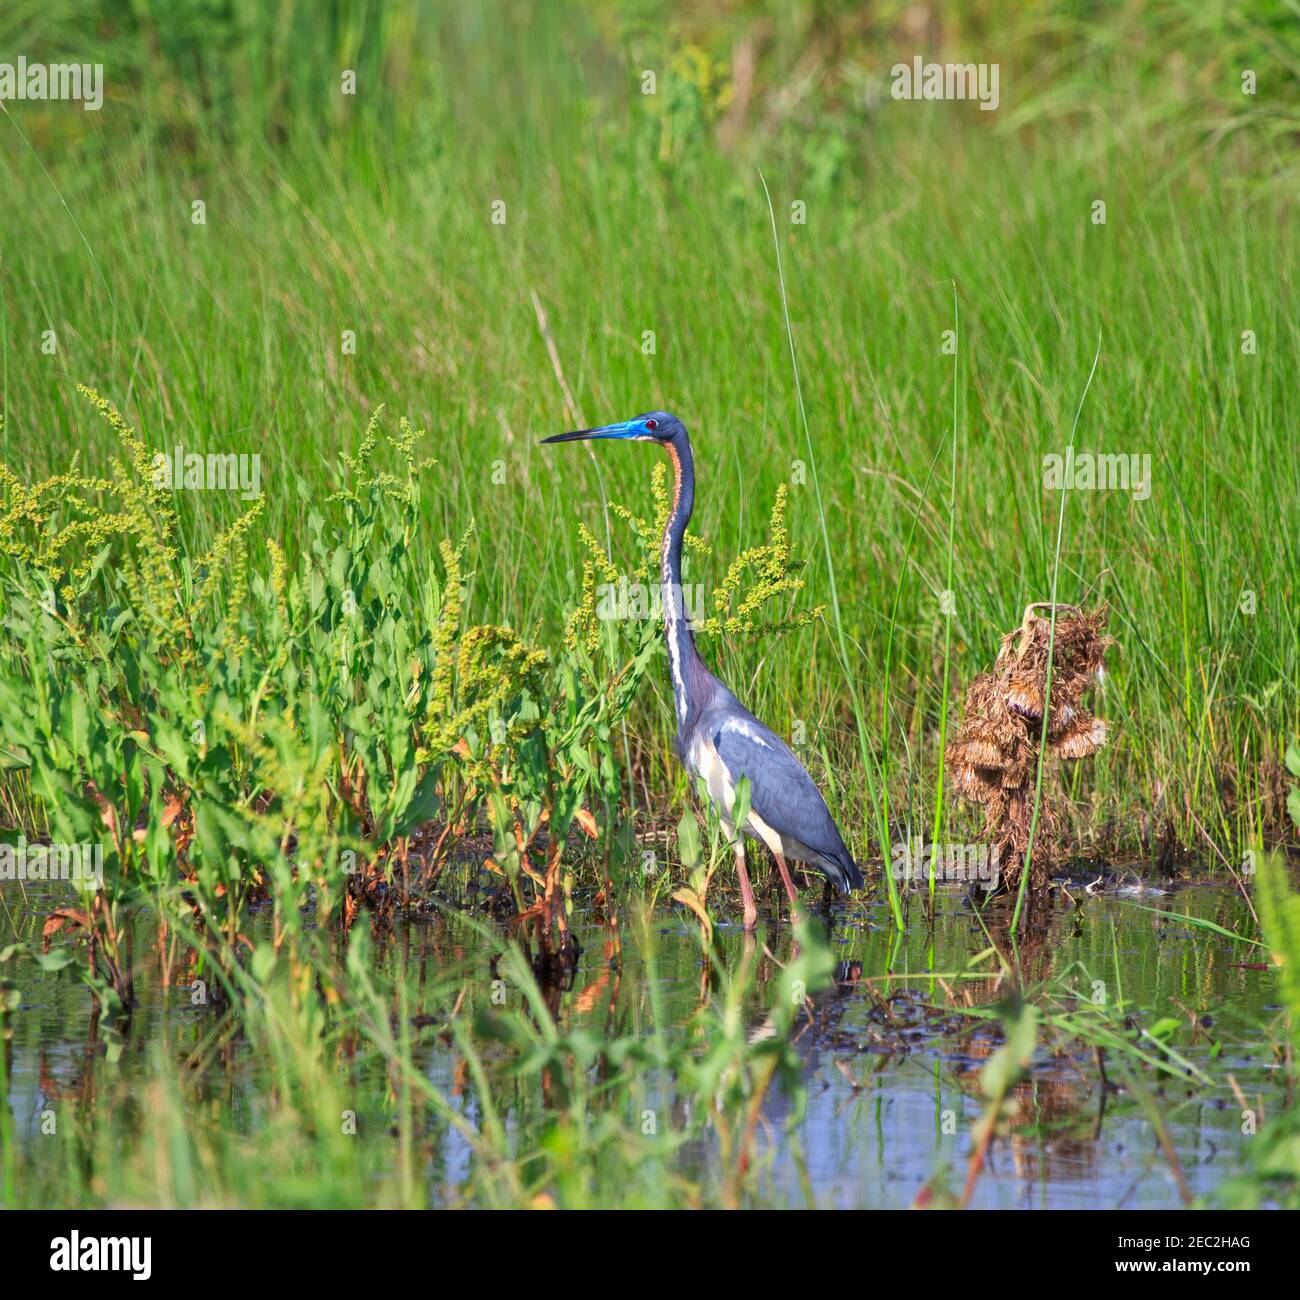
<point x="653" y="426"/>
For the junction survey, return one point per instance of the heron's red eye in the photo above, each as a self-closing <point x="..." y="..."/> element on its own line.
<point x="652" y="424"/>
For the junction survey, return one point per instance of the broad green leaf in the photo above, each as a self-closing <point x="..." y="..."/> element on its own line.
<point x="688" y="841"/>
<point x="54" y="960"/>
<point x="423" y="805"/>
<point x="1164" y="1028"/>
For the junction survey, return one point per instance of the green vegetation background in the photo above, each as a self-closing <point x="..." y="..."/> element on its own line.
<point x="625" y="213"/>
<point x="628" y="213"/>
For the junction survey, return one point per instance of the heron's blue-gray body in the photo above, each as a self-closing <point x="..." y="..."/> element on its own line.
<point x="718" y="739"/>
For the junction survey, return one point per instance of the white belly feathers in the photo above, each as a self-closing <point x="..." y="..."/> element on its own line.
<point x="705" y="763"/>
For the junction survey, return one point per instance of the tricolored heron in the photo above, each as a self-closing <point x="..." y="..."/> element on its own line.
<point x="718" y="739"/>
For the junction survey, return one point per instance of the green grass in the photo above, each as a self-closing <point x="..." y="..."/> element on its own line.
<point x="227" y="336"/>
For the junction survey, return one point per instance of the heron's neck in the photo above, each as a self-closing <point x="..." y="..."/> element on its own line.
<point x="684" y="664"/>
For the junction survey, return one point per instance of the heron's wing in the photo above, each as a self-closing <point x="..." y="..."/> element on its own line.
<point x="781" y="791"/>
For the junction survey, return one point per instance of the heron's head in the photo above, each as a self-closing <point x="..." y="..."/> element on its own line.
<point x="653" y="426"/>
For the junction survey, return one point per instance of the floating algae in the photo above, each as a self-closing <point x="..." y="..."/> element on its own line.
<point x="994" y="756"/>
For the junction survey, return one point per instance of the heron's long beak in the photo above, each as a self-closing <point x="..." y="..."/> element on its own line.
<point x="620" y="430"/>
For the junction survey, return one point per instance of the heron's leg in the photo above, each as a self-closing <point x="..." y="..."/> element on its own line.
<point x="746" y="892"/>
<point x="789" y="886"/>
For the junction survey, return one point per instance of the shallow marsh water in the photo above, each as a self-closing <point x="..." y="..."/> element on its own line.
<point x="890" y="1064"/>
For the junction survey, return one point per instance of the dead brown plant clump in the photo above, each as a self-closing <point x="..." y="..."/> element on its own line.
<point x="993" y="759"/>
